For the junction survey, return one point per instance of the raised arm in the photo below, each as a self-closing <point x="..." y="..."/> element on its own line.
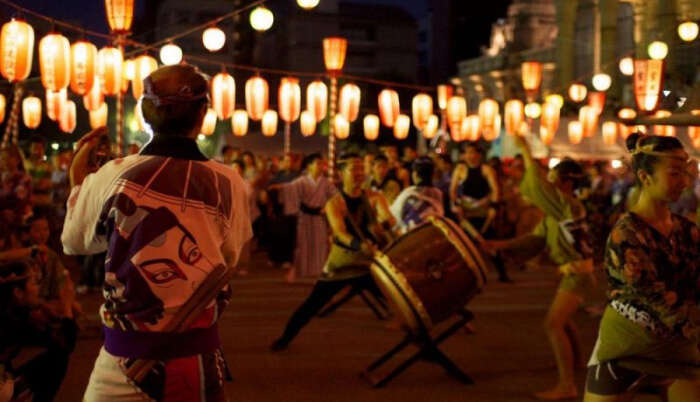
<point x="492" y="179"/>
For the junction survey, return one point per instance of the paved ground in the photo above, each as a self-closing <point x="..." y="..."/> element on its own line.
<point x="508" y="357"/>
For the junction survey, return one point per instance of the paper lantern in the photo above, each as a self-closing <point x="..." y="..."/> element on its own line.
<point x="170" y="54"/>
<point x="94" y="98"/>
<point x="261" y="18"/>
<point x="588" y="117"/>
<point x="657" y="50"/>
<point x="627" y="113"/>
<point x="83" y="60"/>
<point x="601" y="82"/>
<point x="209" y="122"/>
<point x="648" y="80"/>
<point x="555" y="99"/>
<point x="143" y="67"/>
<point x="696" y="143"/>
<point x="120" y="14"/>
<point x="494" y="131"/>
<point x="349" y="103"/>
<point x="213" y="39"/>
<point x="307" y="4"/>
<point x="533" y="110"/>
<point x="694" y="132"/>
<point x="389" y="109"/>
<point x="524" y="129"/>
<point x="575" y="132"/>
<point x="577" y="92"/>
<point x="550" y="119"/>
<point x="627" y="66"/>
<point x="597" y="101"/>
<point x="239" y="123"/>
<point x="471" y="128"/>
<point x="289" y="99"/>
<point x="401" y="126"/>
<point x="31" y="112"/>
<point x="54" y="103"/>
<point x="257" y="95"/>
<point x="488" y="111"/>
<point x="317" y="100"/>
<point x="223" y="95"/>
<point x="3" y="105"/>
<point x="342" y="127"/>
<point x="546" y="135"/>
<point x="624" y="130"/>
<point x="16" y="50"/>
<point x="109" y="69"/>
<point x="307" y="123"/>
<point x="67" y="119"/>
<point x="129" y="69"/>
<point x="664" y="130"/>
<point x="371" y="126"/>
<point x="609" y="130"/>
<point x="98" y="118"/>
<point x="269" y="123"/>
<point x="532" y="76"/>
<point x="514" y="115"/>
<point x="54" y="61"/>
<point x="444" y="94"/>
<point x="431" y="127"/>
<point x="688" y="31"/>
<point x="422" y="108"/>
<point x="334" y="49"/>
<point x="456" y="110"/>
<point x="138" y="118"/>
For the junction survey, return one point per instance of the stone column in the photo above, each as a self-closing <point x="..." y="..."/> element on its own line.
<point x="566" y="23"/>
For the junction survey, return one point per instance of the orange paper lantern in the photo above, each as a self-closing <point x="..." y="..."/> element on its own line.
<point x="546" y="135"/>
<point x="257" y="95"/>
<point x="664" y="130"/>
<point x="31" y="112"/>
<point x="98" y="118"/>
<point x="307" y="123"/>
<point x="422" y="108"/>
<point x="588" y="117"/>
<point x="143" y="66"/>
<point x="444" y="94"/>
<point x="289" y="99"/>
<point x="648" y="82"/>
<point x="109" y="69"/>
<point x="3" y="105"/>
<point x="120" y="14"/>
<point x="349" y="103"/>
<point x="694" y="132"/>
<point x="532" y="76"/>
<point x="550" y="119"/>
<point x="471" y="128"/>
<point x="54" y="103"/>
<point x="16" y="50"/>
<point x="94" y="98"/>
<point x="624" y="130"/>
<point x="575" y="132"/>
<point x="317" y="100"/>
<point x="67" y="120"/>
<point x="209" y="122"/>
<point x="269" y="123"/>
<point x="431" y="127"/>
<point x="597" y="101"/>
<point x="578" y="92"/>
<point x="54" y="61"/>
<point x="223" y="95"/>
<point x="626" y="114"/>
<point x="371" y="126"/>
<point x="609" y="130"/>
<point x="239" y="123"/>
<point x="456" y="110"/>
<point x="488" y="113"/>
<point x="334" y="50"/>
<point x="514" y="115"/>
<point x="389" y="108"/>
<point x="401" y="126"/>
<point x="83" y="60"/>
<point x="342" y="127"/>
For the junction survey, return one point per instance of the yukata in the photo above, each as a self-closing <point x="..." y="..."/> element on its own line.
<point x="167" y="218"/>
<point x="305" y="197"/>
<point x="414" y="205"/>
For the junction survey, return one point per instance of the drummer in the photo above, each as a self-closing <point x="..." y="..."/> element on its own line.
<point x="361" y="223"/>
<point x="652" y="259"/>
<point x="563" y="234"/>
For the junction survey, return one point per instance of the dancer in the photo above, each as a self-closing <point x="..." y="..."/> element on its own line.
<point x="417" y="202"/>
<point x="173" y="224"/>
<point x="652" y="260"/>
<point x="563" y="234"/>
<point x="361" y="222"/>
<point x="305" y="197"/>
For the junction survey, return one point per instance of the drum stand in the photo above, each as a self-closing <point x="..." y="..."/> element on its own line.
<point x="428" y="351"/>
<point x="376" y="304"/>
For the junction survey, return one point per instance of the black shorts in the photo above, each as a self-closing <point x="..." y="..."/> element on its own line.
<point x="609" y="378"/>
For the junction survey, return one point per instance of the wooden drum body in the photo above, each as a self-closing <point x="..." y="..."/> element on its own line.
<point x="430" y="273"/>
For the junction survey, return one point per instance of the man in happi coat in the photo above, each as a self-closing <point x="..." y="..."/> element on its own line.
<point x="305" y="197"/>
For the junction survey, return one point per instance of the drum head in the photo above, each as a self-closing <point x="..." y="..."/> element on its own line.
<point x="482" y="259"/>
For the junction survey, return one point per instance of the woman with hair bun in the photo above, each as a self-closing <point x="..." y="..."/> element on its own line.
<point x="652" y="260"/>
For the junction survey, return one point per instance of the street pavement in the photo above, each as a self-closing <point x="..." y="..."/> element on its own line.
<point x="508" y="356"/>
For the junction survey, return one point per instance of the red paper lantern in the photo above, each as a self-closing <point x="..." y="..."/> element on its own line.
<point x="223" y="95"/>
<point x="54" y="61"/>
<point x="143" y="67"/>
<point x="120" y="14"/>
<point x="289" y="99"/>
<point x="371" y="127"/>
<point x="422" y="108"/>
<point x="16" y="50"/>
<point x="514" y="115"/>
<point x="389" y="108"/>
<point x="239" y="123"/>
<point x="67" y="119"/>
<point x="109" y="69"/>
<point x="269" y="123"/>
<point x="456" y="110"/>
<point x="307" y="123"/>
<point x="257" y="95"/>
<point x="317" y="100"/>
<point x="334" y="50"/>
<point x="694" y="132"/>
<point x="597" y="101"/>
<point x="83" y="59"/>
<point x="648" y="82"/>
<point x="98" y="118"/>
<point x="31" y="112"/>
<point x="349" y="103"/>
<point x="54" y="103"/>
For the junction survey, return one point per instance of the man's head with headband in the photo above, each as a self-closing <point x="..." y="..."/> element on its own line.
<point x="352" y="170"/>
<point x="660" y="164"/>
<point x="175" y="100"/>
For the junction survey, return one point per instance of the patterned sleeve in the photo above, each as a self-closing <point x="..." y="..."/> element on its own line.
<point x="543" y="194"/>
<point x="83" y="210"/>
<point x="241" y="229"/>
